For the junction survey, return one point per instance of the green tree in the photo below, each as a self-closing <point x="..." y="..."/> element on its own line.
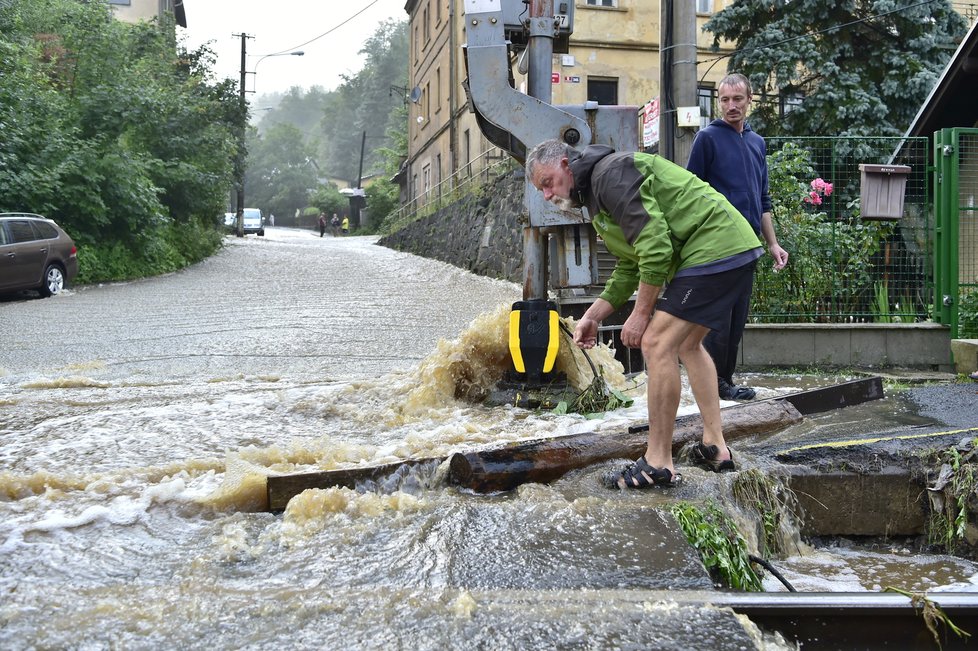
<point x="281" y="171"/>
<point x="850" y="67"/>
<point x="114" y="131"/>
<point x="363" y="104"/>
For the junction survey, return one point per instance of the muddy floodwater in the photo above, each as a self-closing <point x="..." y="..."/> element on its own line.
<point x="139" y="420"/>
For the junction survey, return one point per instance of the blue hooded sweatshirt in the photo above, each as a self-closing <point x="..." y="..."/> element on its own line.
<point x="735" y="164"/>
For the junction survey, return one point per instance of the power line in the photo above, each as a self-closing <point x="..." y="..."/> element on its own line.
<point x="326" y="33"/>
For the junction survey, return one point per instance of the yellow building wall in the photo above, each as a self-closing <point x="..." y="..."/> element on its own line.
<point x="608" y="42"/>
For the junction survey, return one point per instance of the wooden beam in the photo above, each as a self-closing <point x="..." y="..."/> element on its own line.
<point x="282" y="488"/>
<point x="545" y="460"/>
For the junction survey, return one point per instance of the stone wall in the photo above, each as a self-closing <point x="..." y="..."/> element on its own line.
<point x="482" y="232"/>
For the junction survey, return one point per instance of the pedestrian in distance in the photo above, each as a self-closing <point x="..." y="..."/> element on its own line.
<point x="732" y="158"/>
<point x="335" y="224"/>
<point x="667" y="228"/>
<point x="322" y="224"/>
<point x="346" y="225"/>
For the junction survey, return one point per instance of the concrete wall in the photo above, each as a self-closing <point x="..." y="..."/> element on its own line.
<point x="484" y="234"/>
<point x="481" y="233"/>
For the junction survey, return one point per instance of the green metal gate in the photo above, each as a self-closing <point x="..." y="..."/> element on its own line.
<point x="956" y="231"/>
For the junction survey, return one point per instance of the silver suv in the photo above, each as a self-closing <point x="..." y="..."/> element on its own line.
<point x="35" y="254"/>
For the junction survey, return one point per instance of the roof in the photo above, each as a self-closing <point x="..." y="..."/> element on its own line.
<point x="951" y="102"/>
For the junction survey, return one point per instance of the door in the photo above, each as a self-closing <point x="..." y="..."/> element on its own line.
<point x="23" y="256"/>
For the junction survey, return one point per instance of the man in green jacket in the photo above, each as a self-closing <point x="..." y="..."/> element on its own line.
<point x="667" y="228"/>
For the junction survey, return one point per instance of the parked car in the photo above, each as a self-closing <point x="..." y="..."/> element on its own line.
<point x="254" y="222"/>
<point x="35" y="254"/>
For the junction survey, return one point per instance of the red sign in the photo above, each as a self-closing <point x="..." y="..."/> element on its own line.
<point x="555" y="77"/>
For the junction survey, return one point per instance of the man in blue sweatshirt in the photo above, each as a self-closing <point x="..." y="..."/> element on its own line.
<point x="732" y="158"/>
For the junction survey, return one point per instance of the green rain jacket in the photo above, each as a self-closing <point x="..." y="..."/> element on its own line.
<point x="658" y="219"/>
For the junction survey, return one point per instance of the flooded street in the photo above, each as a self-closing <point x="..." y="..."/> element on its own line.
<point x="139" y="420"/>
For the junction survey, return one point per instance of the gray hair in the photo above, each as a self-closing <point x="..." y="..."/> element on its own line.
<point x="549" y="153"/>
<point x="736" y="79"/>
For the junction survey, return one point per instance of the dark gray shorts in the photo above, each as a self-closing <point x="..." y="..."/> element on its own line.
<point x="706" y="300"/>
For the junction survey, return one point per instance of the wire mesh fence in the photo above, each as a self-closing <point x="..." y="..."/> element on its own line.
<point x="845" y="268"/>
<point x="968" y="235"/>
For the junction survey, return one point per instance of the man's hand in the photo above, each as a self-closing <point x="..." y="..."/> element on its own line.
<point x="634" y="329"/>
<point x="586" y="333"/>
<point x="780" y="256"/>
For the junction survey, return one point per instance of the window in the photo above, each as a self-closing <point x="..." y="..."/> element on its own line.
<point x="437" y="177"/>
<point x="417" y="44"/>
<point x="45" y="231"/>
<point x="21" y="231"/>
<point x="602" y="3"/>
<point x="790" y="101"/>
<point x="426" y="175"/>
<point x="467" y="147"/>
<point x="438" y="12"/>
<point x="424" y="26"/>
<point x="704" y="6"/>
<point x="427" y="104"/>
<point x="706" y="98"/>
<point x="603" y="90"/>
<point x="437" y="90"/>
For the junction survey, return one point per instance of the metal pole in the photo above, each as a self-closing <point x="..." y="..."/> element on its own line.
<point x="243" y="109"/>
<point x="677" y="76"/>
<point x="684" y="75"/>
<point x="540" y="46"/>
<point x="357" y="200"/>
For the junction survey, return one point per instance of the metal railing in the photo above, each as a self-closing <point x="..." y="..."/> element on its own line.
<point x="467" y="180"/>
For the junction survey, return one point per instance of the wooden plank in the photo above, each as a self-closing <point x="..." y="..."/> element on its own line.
<point x="282" y="488"/>
<point x="814" y="401"/>
<point x="837" y="396"/>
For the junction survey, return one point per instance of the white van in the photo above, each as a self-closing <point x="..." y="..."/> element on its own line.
<point x="254" y="222"/>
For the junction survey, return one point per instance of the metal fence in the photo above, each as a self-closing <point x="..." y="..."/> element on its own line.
<point x="468" y="179"/>
<point x="844" y="268"/>
<point x="956" y="172"/>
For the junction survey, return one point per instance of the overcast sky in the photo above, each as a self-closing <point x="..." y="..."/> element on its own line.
<point x="285" y="25"/>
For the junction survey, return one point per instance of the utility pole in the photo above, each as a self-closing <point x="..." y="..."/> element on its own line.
<point x="243" y="129"/>
<point x="358" y="201"/>
<point x="540" y="49"/>
<point x="677" y="76"/>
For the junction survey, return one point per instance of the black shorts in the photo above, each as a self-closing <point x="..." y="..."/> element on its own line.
<point x="706" y="300"/>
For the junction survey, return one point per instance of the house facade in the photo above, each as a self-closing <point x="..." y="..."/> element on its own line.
<point x="612" y="58"/>
<point x="133" y="11"/>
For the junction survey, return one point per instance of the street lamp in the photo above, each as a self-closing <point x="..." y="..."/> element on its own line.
<point x="277" y="54"/>
<point x="243" y="106"/>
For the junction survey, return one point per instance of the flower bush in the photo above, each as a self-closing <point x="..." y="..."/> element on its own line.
<point x="830" y="274"/>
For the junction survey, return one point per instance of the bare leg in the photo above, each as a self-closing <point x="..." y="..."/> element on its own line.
<point x="703" y="381"/>
<point x="661" y="346"/>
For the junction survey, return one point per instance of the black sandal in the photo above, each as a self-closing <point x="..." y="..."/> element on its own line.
<point x="705" y="456"/>
<point x="641" y="475"/>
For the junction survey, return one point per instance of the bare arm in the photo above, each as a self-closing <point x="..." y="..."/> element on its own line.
<point x="767" y="232"/>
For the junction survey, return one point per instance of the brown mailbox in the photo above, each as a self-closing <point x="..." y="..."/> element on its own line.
<point x="881" y="190"/>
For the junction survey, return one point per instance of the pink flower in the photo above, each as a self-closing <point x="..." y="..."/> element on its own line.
<point x="819" y="189"/>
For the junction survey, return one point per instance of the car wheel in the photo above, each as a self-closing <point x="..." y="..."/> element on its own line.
<point x="261" y="233"/>
<point x="54" y="280"/>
